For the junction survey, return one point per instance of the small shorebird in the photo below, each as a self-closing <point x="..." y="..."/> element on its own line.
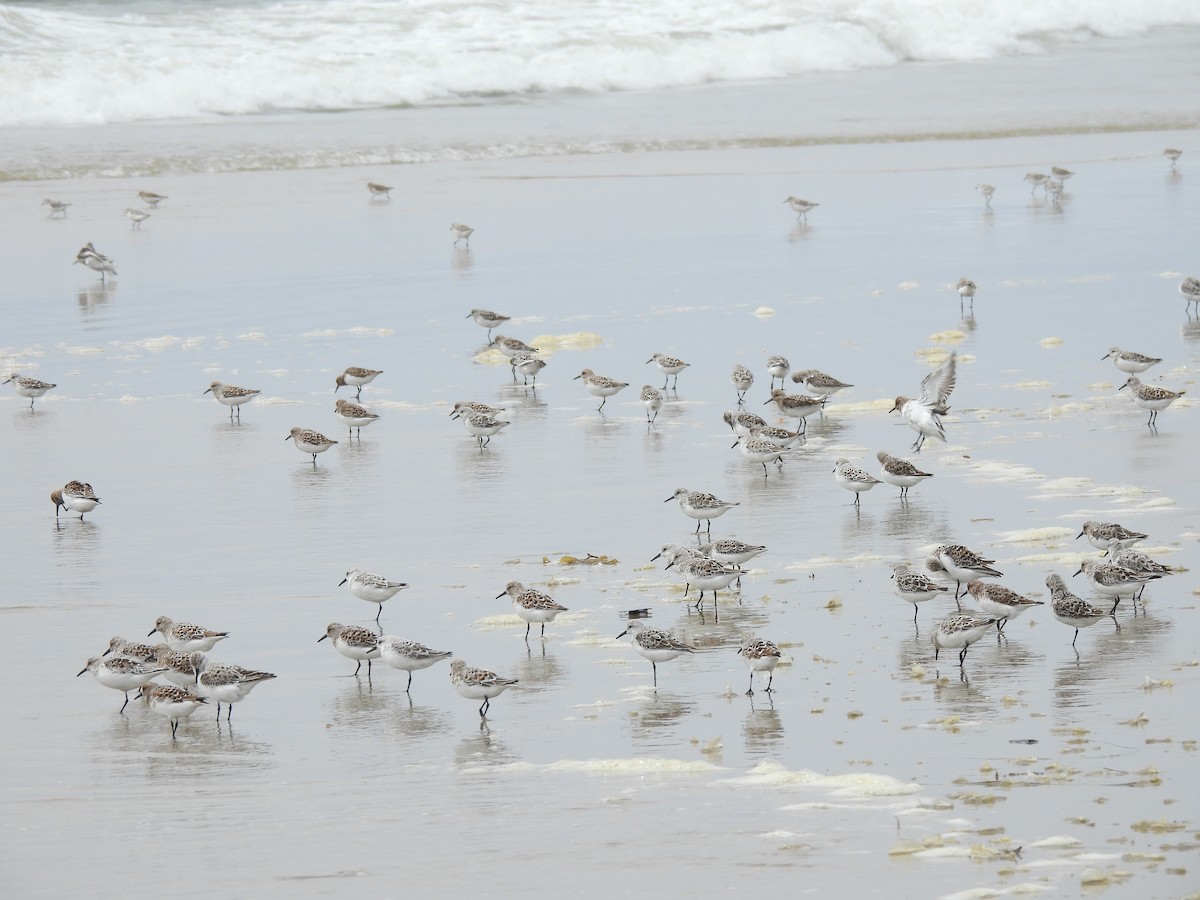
<point x="1115" y="581"/>
<point x="478" y="684"/>
<point x="818" y="383"/>
<point x="354" y="643"/>
<point x="122" y="674"/>
<point x="532" y="606"/>
<point x="372" y="588"/>
<point x="462" y="233"/>
<point x="923" y="414"/>
<point x="669" y="366"/>
<point x="915" y="587"/>
<point x="801" y="207"/>
<point x="796" y="406"/>
<point x="379" y="191"/>
<point x="652" y="399"/>
<point x="1190" y="289"/>
<point x="1109" y="536"/>
<point x="1129" y="362"/>
<point x="852" y="478"/>
<point x="963" y="566"/>
<point x="356" y="377"/>
<point x="761" y="656"/>
<point x="483" y="427"/>
<point x="231" y="395"/>
<point x="528" y="364"/>
<point x="510" y="346"/>
<point x="987" y="190"/>
<point x="899" y="472"/>
<point x="966" y="291"/>
<point x="742" y="378"/>
<point x="778" y="367"/>
<point x="225" y="683"/>
<point x="29" y="387"/>
<point x="409" y="656"/>
<point x="997" y="600"/>
<point x="1074" y="611"/>
<point x="654" y="645"/>
<point x="1060" y="173"/>
<point x="1036" y="180"/>
<point x="76" y="496"/>
<point x="151" y="199"/>
<point x="743" y="422"/>
<point x="186" y="637"/>
<point x="95" y="261"/>
<point x="959" y="630"/>
<point x="1151" y="397"/>
<point x="353" y="416"/>
<point x="759" y="450"/>
<point x="309" y="441"/>
<point x="600" y="386"/>
<point x="1173" y="155"/>
<point x="136" y="216"/>
<point x="700" y="506"/>
<point x="56" y="207"/>
<point x="173" y="702"/>
<point x="485" y="318"/>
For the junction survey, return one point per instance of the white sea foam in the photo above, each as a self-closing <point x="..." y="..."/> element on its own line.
<point x="66" y="63"/>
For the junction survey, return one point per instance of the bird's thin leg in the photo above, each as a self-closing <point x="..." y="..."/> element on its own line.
<point x="750" y="693"/>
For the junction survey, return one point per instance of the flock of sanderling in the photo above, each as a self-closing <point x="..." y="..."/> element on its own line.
<point x="196" y="680"/>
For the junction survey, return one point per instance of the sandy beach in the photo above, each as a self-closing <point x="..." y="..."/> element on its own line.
<point x="871" y="767"/>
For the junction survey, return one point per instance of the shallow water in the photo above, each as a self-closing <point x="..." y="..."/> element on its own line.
<point x="280" y="280"/>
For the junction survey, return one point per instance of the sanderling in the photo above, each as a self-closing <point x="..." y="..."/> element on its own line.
<point x="309" y="441"/>
<point x="759" y="450"/>
<point x="75" y="496"/>
<point x="899" y="472"/>
<point x="178" y="665"/>
<point x="700" y="506"/>
<point x="1137" y="561"/>
<point x="915" y="587"/>
<point x="29" y="387"/>
<point x="1151" y="397"/>
<point x="485" y="318"/>
<point x="742" y="378"/>
<point x="462" y="233"/>
<point x="1115" y="581"/>
<point x="1060" y="173"/>
<point x="923" y="414"/>
<point x="225" y="683"/>
<point x="671" y="550"/>
<point x="56" y="207"/>
<point x="1072" y="610"/>
<point x="532" y="606"/>
<point x="372" y="588"/>
<point x="987" y="190"/>
<point x="1054" y="189"/>
<point x="1190" y="288"/>
<point x="1129" y="362"/>
<point x="778" y="367"/>
<point x="797" y="406"/>
<point x="478" y="684"/>
<point x="1036" y="180"/>
<point x="801" y="207"/>
<point x="654" y="645"/>
<point x="136" y="217"/>
<point x="356" y="377"/>
<point x="483" y="427"/>
<point x="1109" y="536"/>
<point x="959" y="630"/>
<point x="743" y="422"/>
<point x="702" y="573"/>
<point x="780" y="437"/>
<point x="120" y="646"/>
<point x="173" y="702"/>
<point x="231" y="395"/>
<point x="852" y="478"/>
<point x="818" y="383"/>
<point x="728" y="550"/>
<point x="1173" y="155"/>
<point x="353" y="643"/>
<point x="469" y="407"/>
<point x="997" y="600"/>
<point x="379" y="191"/>
<point x="122" y="674"/>
<point x="761" y="656"/>
<point x="408" y="656"/>
<point x="600" y="386"/>
<point x="151" y="199"/>
<point x="95" y="261"/>
<point x="963" y="566"/>
<point x="528" y="365"/>
<point x="966" y="291"/>
<point x="185" y="636"/>
<point x="652" y="399"/>
<point x="669" y="366"/>
<point x="353" y="416"/>
<point x="510" y="346"/>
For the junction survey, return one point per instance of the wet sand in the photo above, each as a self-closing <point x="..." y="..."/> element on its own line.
<point x="871" y="764"/>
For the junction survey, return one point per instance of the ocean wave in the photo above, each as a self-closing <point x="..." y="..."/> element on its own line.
<point x="63" y="63"/>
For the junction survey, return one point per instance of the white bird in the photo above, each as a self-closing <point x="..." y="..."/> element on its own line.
<point x="372" y="588"/>
<point x="29" y="387"/>
<point x="56" y="207"/>
<point x="899" y="472"/>
<point x="742" y="378"/>
<point x="462" y="233"/>
<point x="1074" y="611"/>
<point x="652" y="399"/>
<point x="136" y="216"/>
<point x="923" y="414"/>
<point x="654" y="645"/>
<point x="151" y="199"/>
<point x="801" y="207"/>
<point x="225" y="683"/>
<point x="122" y="674"/>
<point x="483" y="427"/>
<point x="354" y="643"/>
<point x="379" y="191"/>
<point x="75" y="496"/>
<point x="478" y="684"/>
<point x="959" y="630"/>
<point x="761" y="656"/>
<point x="409" y="656"/>
<point x="1173" y="155"/>
<point x="600" y="385"/>
<point x="485" y="318"/>
<point x="778" y="367"/>
<point x="1129" y="362"/>
<point x="353" y="416"/>
<point x="173" y="702"/>
<point x="95" y="261"/>
<point x="987" y="190"/>
<point x="1190" y="289"/>
<point x="852" y="478"/>
<point x="966" y="291"/>
<point x="668" y="365"/>
<point x="1151" y="397"/>
<point x="531" y="605"/>
<point x="915" y="587"/>
<point x="231" y="395"/>
<point x="309" y="441"/>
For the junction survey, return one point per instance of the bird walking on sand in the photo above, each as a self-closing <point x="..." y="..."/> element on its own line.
<point x="997" y="600"/>
<point x="669" y="366"/>
<point x="761" y="656"/>
<point x="409" y="656"/>
<point x="485" y="318"/>
<point x="94" y="260"/>
<point x="801" y="207"/>
<point x="1074" y="611"/>
<point x="654" y="645"/>
<point x="356" y="377"/>
<point x="600" y="385"/>
<point x="231" y="395"/>
<point x="899" y="472"/>
<point x="700" y="506"/>
<point x="29" y="387"/>
<point x="56" y="207"/>
<point x="818" y="383"/>
<point x="962" y="566"/>
<point x="136" y="216"/>
<point x="987" y="190"/>
<point x="1129" y="362"/>
<point x="151" y="199"/>
<point x="353" y="416"/>
<point x="915" y="587"/>
<point x="379" y="191"/>
<point x="478" y="684"/>
<point x="462" y="233"/>
<point x="1151" y="397"/>
<point x="309" y="441"/>
<point x="652" y="399"/>
<point x="966" y="291"/>
<point x="75" y="496"/>
<point x="372" y="588"/>
<point x="1190" y="289"/>
<point x="531" y="605"/>
<point x="959" y="630"/>
<point x="923" y="414"/>
<point x="852" y="478"/>
<point x="1173" y="155"/>
<point x="742" y="378"/>
<point x="778" y="367"/>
